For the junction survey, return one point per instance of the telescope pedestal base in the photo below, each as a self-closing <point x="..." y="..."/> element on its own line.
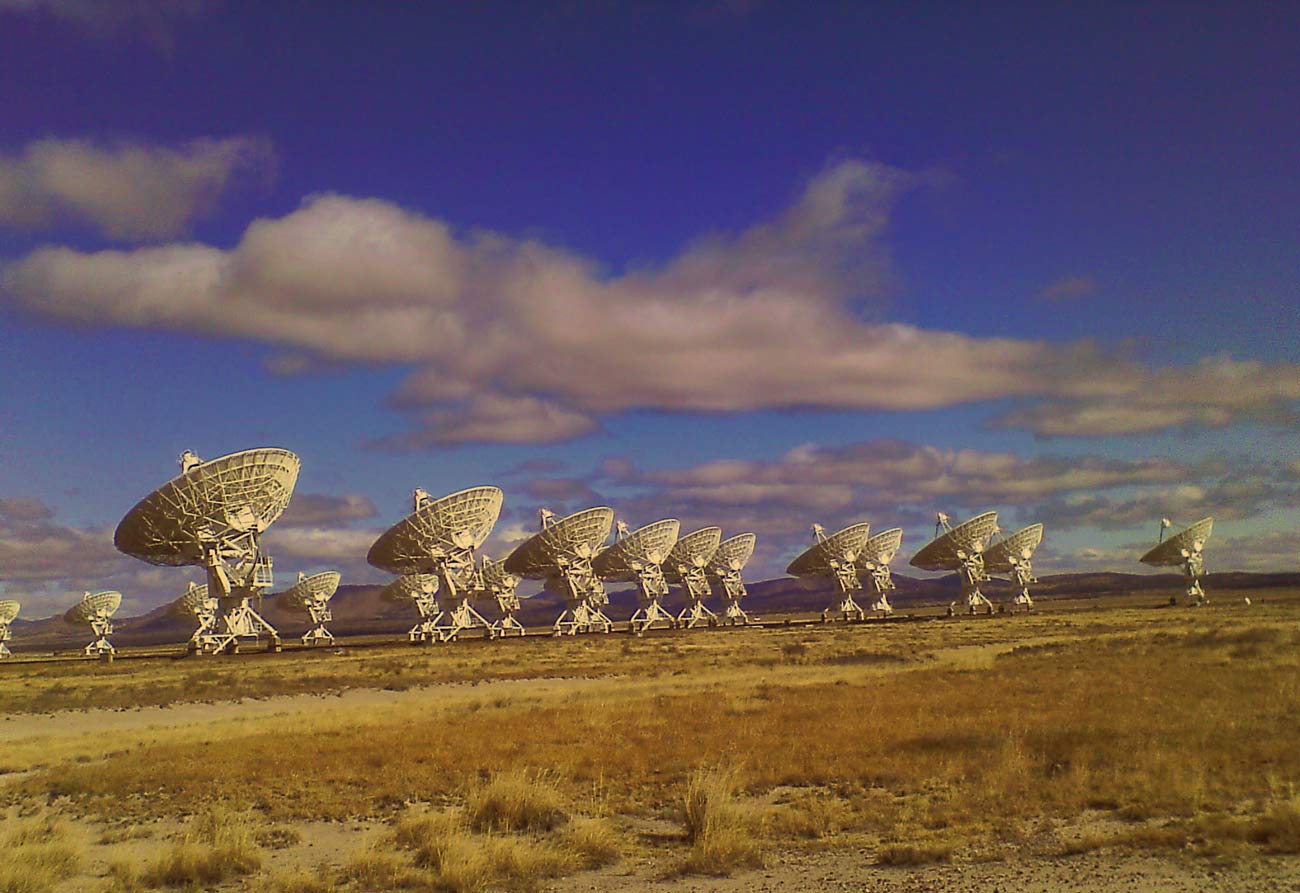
<point x="446" y="626"/>
<point x="242" y="622"/>
<point x="318" y="636"/>
<point x="848" y="609"/>
<point x="976" y="600"/>
<point x="101" y="648"/>
<point x="733" y="614"/>
<point x="648" y="615"/>
<point x="581" y="618"/>
<point x="506" y="626"/>
<point x="694" y="614"/>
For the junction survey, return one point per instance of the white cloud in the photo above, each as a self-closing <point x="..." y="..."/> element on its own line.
<point x="129" y="191"/>
<point x="514" y="340"/>
<point x="152" y="21"/>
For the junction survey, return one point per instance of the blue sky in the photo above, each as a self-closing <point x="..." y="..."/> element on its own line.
<point x="748" y="263"/>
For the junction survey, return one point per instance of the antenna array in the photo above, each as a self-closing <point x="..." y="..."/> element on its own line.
<point x="836" y="556"/>
<point x="1011" y="555"/>
<point x="313" y="595"/>
<point x="688" y="563"/>
<point x="97" y="610"/>
<point x="961" y="549"/>
<point x="639" y="557"/>
<point x="725" y="567"/>
<point x="1185" y="548"/>
<point x="874" y="559"/>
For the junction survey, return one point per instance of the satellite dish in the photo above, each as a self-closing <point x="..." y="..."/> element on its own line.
<point x="836" y="556"/>
<point x="439" y="537"/>
<point x="212" y="515"/>
<point x="1184" y="549"/>
<point x="876" y="555"/>
<point x="195" y="602"/>
<point x="422" y="591"/>
<point x="502" y="585"/>
<point x="725" y="567"/>
<point x="97" y="609"/>
<point x="313" y="595"/>
<point x="8" y="611"/>
<point x="686" y="564"/>
<point x="639" y="557"/>
<point x="561" y="553"/>
<point x="961" y="549"/>
<point x="1012" y="555"/>
<point x="439" y="527"/>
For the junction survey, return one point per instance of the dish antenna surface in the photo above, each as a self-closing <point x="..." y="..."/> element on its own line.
<point x="422" y="591"/>
<point x="874" y="559"/>
<point x="97" y="609"/>
<point x="213" y="516"/>
<point x="1184" y="549"/>
<point x="688" y="563"/>
<point x="961" y="549"/>
<point x="836" y="556"/>
<point x="1012" y="555"/>
<point x="313" y="595"/>
<point x="725" y="568"/>
<point x="8" y="611"/>
<point x="197" y="603"/>
<point x="561" y="554"/>
<point x="439" y="537"/>
<point x="638" y="557"/>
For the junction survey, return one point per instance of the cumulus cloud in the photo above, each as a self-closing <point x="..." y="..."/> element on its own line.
<point x="314" y="509"/>
<point x="129" y="191"/>
<point x="518" y="341"/>
<point x="19" y="510"/>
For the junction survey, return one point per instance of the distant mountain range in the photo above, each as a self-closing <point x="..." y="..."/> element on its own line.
<point x="359" y="610"/>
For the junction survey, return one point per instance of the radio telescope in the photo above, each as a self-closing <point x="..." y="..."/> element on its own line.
<point x="1184" y="548"/>
<point x="313" y="595"/>
<point x="725" y="566"/>
<point x="687" y="564"/>
<point x="439" y="537"/>
<point x="561" y="554"/>
<point x="501" y="585"/>
<point x="8" y="611"/>
<point x="422" y="590"/>
<point x="874" y="559"/>
<point x="213" y="516"/>
<point x="639" y="557"/>
<point x="1011" y="555"/>
<point x="196" y="603"/>
<point x="961" y="549"/>
<point x="836" y="556"/>
<point x="98" y="611"/>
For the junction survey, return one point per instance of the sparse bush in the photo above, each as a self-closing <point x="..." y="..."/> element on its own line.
<point x="217" y="846"/>
<point x="915" y="853"/>
<point x="511" y="801"/>
<point x="372" y="869"/>
<point x="35" y="857"/>
<point x="593" y="842"/>
<point x="1278" y="830"/>
<point x="719" y="828"/>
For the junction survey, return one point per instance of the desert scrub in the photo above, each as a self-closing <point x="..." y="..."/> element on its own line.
<point x="721" y="830"/>
<point x="217" y="845"/>
<point x="514" y="801"/>
<point x="914" y="853"/>
<point x="34" y="858"/>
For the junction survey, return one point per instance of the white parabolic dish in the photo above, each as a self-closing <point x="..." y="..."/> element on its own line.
<point x="8" y="610"/>
<point x="459" y="521"/>
<point x="941" y="553"/>
<point x="93" y="605"/>
<point x="693" y="550"/>
<point x="580" y="532"/>
<point x="1170" y="552"/>
<point x="651" y="544"/>
<point x="882" y="547"/>
<point x="190" y="602"/>
<point x="1020" y="544"/>
<point x="247" y="490"/>
<point x="844" y="546"/>
<point x="317" y="587"/>
<point x="732" y="554"/>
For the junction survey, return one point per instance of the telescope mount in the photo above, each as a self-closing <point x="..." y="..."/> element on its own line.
<point x="1184" y="549"/>
<point x="725" y="568"/>
<point x="639" y="556"/>
<point x="561" y="553"/>
<point x="8" y="611"/>
<point x="875" y="558"/>
<point x="688" y="563"/>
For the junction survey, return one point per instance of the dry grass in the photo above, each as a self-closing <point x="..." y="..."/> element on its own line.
<point x="34" y="857"/>
<point x="721" y="830"/>
<point x="915" y="853"/>
<point x="217" y="846"/>
<point x="514" y="800"/>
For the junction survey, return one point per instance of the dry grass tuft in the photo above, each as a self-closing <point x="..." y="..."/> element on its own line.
<point x="721" y="830"/>
<point x="373" y="869"/>
<point x="915" y="853"/>
<point x="217" y="846"/>
<point x="512" y="801"/>
<point x="34" y="858"/>
<point x="1278" y="830"/>
<point x="593" y="842"/>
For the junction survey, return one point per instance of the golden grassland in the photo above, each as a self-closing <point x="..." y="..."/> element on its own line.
<point x="1102" y="728"/>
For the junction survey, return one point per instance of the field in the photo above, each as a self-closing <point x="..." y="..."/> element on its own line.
<point x="1101" y="744"/>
